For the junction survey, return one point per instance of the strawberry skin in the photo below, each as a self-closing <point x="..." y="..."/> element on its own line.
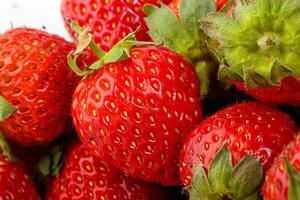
<point x="15" y="184"/>
<point x="247" y="128"/>
<point x="276" y="185"/>
<point x="288" y="93"/>
<point x="135" y="113"/>
<point x="36" y="80"/>
<point x="84" y="176"/>
<point x="110" y="21"/>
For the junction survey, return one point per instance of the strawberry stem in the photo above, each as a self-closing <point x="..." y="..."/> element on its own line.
<point x="81" y="32"/>
<point x="120" y="51"/>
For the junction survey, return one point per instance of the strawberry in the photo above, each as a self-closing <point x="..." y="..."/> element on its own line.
<point x="135" y="112"/>
<point x="110" y="21"/>
<point x="246" y="136"/>
<point x="288" y="93"/>
<point x="84" y="176"/>
<point x="282" y="180"/>
<point x="260" y="55"/>
<point x="37" y="85"/>
<point x="15" y="184"/>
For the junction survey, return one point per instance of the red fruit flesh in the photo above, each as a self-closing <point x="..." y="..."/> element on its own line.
<point x="110" y="21"/>
<point x="247" y="128"/>
<point x="276" y="185"/>
<point x="37" y="82"/>
<point x="135" y="113"/>
<point x="84" y="177"/>
<point x="288" y="93"/>
<point x="15" y="184"/>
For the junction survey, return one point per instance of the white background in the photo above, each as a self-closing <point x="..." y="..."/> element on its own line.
<point x="32" y="13"/>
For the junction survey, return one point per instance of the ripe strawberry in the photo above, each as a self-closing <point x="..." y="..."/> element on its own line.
<point x="288" y="93"/>
<point x="245" y="129"/>
<point x="15" y="184"/>
<point x="135" y="112"/>
<point x="280" y="183"/>
<point x="84" y="176"/>
<point x="36" y="81"/>
<point x="260" y="58"/>
<point x="110" y="21"/>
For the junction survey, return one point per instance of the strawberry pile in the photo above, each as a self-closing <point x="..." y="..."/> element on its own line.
<point x="154" y="100"/>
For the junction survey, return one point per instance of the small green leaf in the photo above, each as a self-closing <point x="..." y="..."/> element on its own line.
<point x="221" y="27"/>
<point x="6" y="110"/>
<point x="278" y="71"/>
<point x="246" y="177"/>
<point x="191" y="11"/>
<point x="44" y="165"/>
<point x="5" y="149"/>
<point x="253" y="79"/>
<point x="225" y="73"/>
<point x="294" y="181"/>
<point x="220" y="170"/>
<point x="165" y="27"/>
<point x="200" y="188"/>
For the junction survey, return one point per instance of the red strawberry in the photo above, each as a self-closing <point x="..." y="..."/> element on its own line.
<point x="135" y="112"/>
<point x="246" y="129"/>
<point x="110" y="21"/>
<point x="86" y="177"/>
<point x="288" y="93"/>
<point x="15" y="184"/>
<point x="259" y="57"/>
<point x="36" y="81"/>
<point x="280" y="184"/>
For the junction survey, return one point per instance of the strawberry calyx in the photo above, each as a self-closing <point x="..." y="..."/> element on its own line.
<point x="5" y="149"/>
<point x="224" y="181"/>
<point x="52" y="160"/>
<point x="84" y="40"/>
<point x="294" y="181"/>
<point x="182" y="33"/>
<point x="260" y="43"/>
<point x="6" y="110"/>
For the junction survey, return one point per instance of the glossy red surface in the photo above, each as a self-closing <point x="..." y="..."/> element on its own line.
<point x="135" y="113"/>
<point x="246" y="128"/>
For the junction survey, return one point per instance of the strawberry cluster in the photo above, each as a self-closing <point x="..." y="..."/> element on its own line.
<point x="154" y="100"/>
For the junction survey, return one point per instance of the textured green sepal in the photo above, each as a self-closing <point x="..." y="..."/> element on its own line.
<point x="169" y="30"/>
<point x="52" y="160"/>
<point x="6" y="110"/>
<point x="5" y="149"/>
<point x="246" y="177"/>
<point x="200" y="188"/>
<point x="220" y="170"/>
<point x="262" y="37"/>
<point x="241" y="182"/>
<point x="294" y="181"/>
<point x="181" y="34"/>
